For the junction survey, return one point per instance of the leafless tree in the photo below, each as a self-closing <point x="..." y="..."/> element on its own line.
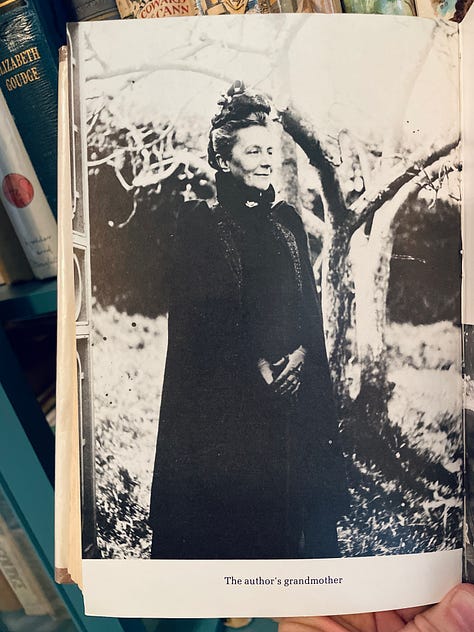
<point x="357" y="230"/>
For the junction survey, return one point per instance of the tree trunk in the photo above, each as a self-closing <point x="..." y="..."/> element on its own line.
<point x="338" y="293"/>
<point x="370" y="257"/>
<point x="289" y="171"/>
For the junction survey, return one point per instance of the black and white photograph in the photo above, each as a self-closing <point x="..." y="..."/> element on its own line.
<point x="271" y="267"/>
<point x="469" y="451"/>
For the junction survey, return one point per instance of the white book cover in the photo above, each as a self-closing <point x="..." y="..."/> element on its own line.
<point x="24" y="200"/>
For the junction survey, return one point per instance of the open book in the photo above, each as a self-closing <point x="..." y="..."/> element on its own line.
<point x="261" y="218"/>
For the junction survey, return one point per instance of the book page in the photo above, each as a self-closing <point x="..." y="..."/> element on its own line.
<point x="268" y="233"/>
<point x="67" y="498"/>
<point x="467" y="60"/>
<point x="467" y="92"/>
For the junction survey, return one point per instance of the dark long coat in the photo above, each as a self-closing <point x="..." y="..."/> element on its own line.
<point x="241" y="472"/>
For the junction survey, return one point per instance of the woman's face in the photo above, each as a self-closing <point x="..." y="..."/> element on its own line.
<point x="251" y="161"/>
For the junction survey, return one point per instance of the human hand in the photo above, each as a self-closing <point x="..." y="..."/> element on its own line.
<point x="265" y="370"/>
<point x="289" y="379"/>
<point x="455" y="613"/>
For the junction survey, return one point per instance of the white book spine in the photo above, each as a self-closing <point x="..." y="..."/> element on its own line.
<point x="24" y="200"/>
<point x="19" y="576"/>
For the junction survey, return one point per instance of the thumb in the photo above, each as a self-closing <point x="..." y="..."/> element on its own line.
<point x="455" y="613"/>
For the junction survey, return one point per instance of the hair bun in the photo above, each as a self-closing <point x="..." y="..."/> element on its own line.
<point x="238" y="87"/>
<point x="238" y="104"/>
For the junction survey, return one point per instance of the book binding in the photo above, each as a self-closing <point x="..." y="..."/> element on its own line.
<point x="24" y="200"/>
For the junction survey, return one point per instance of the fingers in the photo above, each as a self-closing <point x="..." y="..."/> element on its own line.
<point x="282" y="379"/>
<point x="455" y="613"/>
<point x="289" y="387"/>
<point x="289" y="370"/>
<point x="314" y="624"/>
<point x="282" y="386"/>
<point x="267" y="375"/>
<point x="283" y="375"/>
<point x="407" y="614"/>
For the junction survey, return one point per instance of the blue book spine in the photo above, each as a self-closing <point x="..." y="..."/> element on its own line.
<point x="30" y="34"/>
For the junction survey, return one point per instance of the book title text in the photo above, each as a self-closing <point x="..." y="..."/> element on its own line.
<point x="20" y="61"/>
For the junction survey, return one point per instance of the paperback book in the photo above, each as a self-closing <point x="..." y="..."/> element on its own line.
<point x="260" y="405"/>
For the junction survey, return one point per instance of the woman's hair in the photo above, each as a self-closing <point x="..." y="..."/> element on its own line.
<point x="239" y="108"/>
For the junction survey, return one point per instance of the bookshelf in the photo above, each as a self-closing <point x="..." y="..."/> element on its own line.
<point x="27" y="300"/>
<point x="27" y="470"/>
<point x="27" y="450"/>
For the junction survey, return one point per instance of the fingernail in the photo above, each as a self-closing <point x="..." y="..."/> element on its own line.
<point x="462" y="605"/>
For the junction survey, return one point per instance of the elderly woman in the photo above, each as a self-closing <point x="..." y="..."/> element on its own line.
<point x="247" y="461"/>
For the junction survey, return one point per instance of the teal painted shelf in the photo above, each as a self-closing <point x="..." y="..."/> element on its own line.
<point x="27" y="468"/>
<point x="27" y="450"/>
<point x="31" y="496"/>
<point x="27" y="300"/>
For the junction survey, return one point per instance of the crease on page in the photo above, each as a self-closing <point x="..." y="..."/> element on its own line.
<point x="466" y="31"/>
<point x="67" y="498"/>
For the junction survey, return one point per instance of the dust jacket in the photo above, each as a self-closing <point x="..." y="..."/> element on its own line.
<point x="260" y="314"/>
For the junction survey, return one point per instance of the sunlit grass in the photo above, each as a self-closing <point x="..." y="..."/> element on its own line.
<point x="129" y="354"/>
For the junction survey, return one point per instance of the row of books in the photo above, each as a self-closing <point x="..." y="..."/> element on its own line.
<point x="25" y="588"/>
<point x="30" y="35"/>
<point x="109" y="9"/>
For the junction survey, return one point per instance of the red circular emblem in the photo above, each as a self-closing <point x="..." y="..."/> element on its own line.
<point x="17" y="189"/>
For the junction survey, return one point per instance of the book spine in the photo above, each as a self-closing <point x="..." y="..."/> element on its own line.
<point x="28" y="80"/>
<point x="8" y="600"/>
<point x="269" y="6"/>
<point x="49" y="599"/>
<point x="142" y="9"/>
<point x="18" y="575"/>
<point x="227" y="7"/>
<point x="386" y="7"/>
<point x="85" y="10"/>
<point x="24" y="200"/>
<point x="461" y="8"/>
<point x="125" y="8"/>
<point x="445" y="9"/>
<point x="311" y="6"/>
<point x="14" y="265"/>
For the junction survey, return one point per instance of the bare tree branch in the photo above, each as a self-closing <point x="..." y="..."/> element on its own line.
<point x="132" y="214"/>
<point x="121" y="179"/>
<point x="313" y="224"/>
<point x="171" y="65"/>
<point x="109" y="159"/>
<point x="304" y="135"/>
<point x="235" y="46"/>
<point x="365" y="206"/>
<point x="189" y="50"/>
<point x="288" y="34"/>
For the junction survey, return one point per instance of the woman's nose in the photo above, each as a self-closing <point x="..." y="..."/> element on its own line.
<point x="266" y="160"/>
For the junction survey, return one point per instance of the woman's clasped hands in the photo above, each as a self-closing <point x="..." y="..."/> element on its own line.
<point x="285" y="374"/>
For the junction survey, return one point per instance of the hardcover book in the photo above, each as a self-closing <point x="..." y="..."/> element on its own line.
<point x="31" y="32"/>
<point x="22" y="197"/>
<point x="14" y="265"/>
<point x="260" y="408"/>
<point x="95" y="9"/>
